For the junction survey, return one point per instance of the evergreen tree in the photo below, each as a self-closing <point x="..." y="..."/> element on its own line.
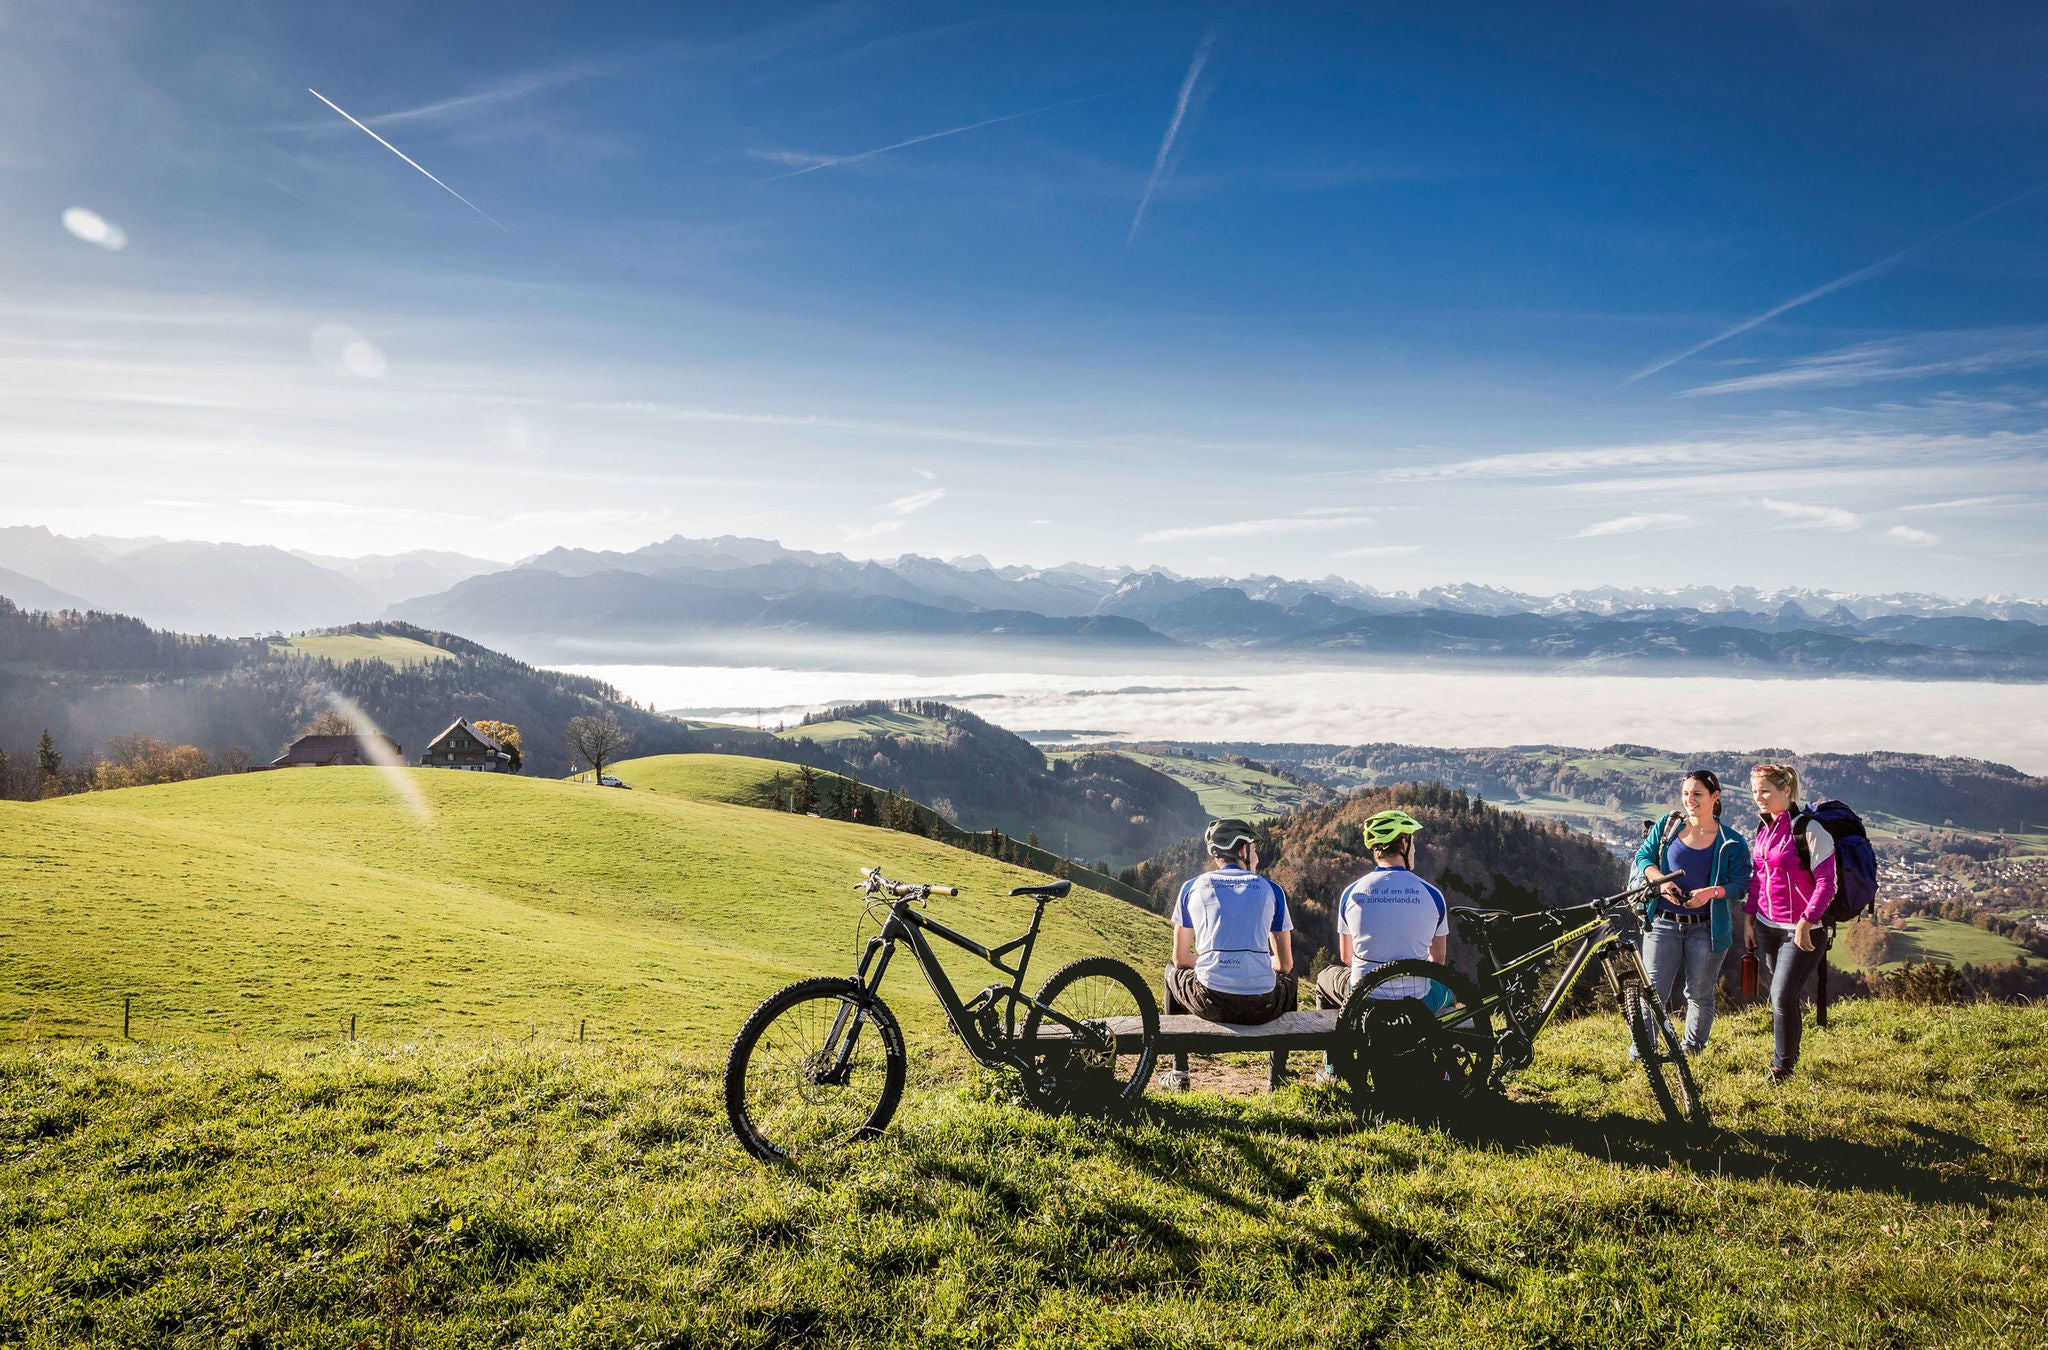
<point x="49" y="763"/>
<point x="805" y="799"/>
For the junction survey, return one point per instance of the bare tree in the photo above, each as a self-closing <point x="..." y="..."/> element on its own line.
<point x="597" y="739"/>
<point x="329" y="722"/>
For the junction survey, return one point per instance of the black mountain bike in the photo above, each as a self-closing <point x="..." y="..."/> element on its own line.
<point x="821" y="1063"/>
<point x="1446" y="1036"/>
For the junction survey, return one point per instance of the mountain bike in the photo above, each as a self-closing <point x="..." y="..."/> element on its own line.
<point x="1439" y="1036"/>
<point x="821" y="1063"/>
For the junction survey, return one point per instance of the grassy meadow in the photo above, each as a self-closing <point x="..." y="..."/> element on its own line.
<point x="1224" y="789"/>
<point x="389" y="648"/>
<point x="426" y="902"/>
<point x="1945" y="940"/>
<point x="440" y="1193"/>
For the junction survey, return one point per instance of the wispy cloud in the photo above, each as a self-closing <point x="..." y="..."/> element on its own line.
<point x="903" y="506"/>
<point x="1907" y="534"/>
<point x="1244" y="529"/>
<point x="867" y="534"/>
<point x="1877" y="268"/>
<point x="2003" y="501"/>
<point x="1162" y="163"/>
<point x="507" y="90"/>
<point x="1925" y="356"/>
<point x="1379" y="551"/>
<point x="408" y="159"/>
<point x="1808" y="513"/>
<point x="1653" y="520"/>
<point x="813" y="163"/>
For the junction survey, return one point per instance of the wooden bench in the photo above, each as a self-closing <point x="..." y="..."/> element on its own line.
<point x="1182" y="1035"/>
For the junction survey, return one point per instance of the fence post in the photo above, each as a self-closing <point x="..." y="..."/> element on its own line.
<point x="580" y="1027"/>
<point x="351" y="1026"/>
<point x="126" y="999"/>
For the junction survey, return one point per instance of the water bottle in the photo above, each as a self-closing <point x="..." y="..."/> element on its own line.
<point x="1749" y="974"/>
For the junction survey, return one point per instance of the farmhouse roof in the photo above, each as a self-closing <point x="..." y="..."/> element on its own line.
<point x="464" y="724"/>
<point x="350" y="749"/>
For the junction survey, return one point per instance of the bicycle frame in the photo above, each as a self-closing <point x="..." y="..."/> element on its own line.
<point x="1503" y="984"/>
<point x="983" y="1041"/>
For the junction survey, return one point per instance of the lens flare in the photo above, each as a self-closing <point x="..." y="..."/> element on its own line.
<point x="391" y="768"/>
<point x="94" y="228"/>
<point x="346" y="352"/>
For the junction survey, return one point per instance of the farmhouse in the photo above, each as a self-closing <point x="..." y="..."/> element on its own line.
<point x="316" y="751"/>
<point x="462" y="746"/>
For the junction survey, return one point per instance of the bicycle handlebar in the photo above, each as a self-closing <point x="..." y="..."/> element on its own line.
<point x="872" y="881"/>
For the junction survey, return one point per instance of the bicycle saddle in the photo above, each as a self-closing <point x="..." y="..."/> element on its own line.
<point x="1052" y="890"/>
<point x="1467" y="914"/>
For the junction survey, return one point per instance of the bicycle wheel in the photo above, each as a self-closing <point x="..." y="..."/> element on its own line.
<point x="1106" y="1069"/>
<point x="1406" y="1051"/>
<point x="1662" y="1057"/>
<point x="819" y="1065"/>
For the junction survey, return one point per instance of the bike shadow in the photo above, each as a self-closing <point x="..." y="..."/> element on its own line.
<point x="1933" y="1166"/>
<point x="1272" y="1181"/>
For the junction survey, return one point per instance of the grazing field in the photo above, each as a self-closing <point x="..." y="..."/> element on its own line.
<point x="455" y="1194"/>
<point x="1224" y="789"/>
<point x="425" y="902"/>
<point x="389" y="648"/>
<point x="738" y="779"/>
<point x="1942" y="940"/>
<point x="881" y="722"/>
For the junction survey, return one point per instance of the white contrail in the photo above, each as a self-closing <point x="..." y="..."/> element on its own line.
<point x="407" y="158"/>
<point x="928" y="136"/>
<point x="1860" y="274"/>
<point x="1180" y="112"/>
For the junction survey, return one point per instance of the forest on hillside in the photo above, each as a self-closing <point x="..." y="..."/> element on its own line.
<point x="90" y="680"/>
<point x="976" y="773"/>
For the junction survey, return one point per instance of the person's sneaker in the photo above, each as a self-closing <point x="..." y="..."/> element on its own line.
<point x="1173" y="1080"/>
<point x="1326" y="1076"/>
<point x="1776" y="1074"/>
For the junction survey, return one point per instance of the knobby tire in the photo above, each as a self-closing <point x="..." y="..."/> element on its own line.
<point x="782" y="1094"/>
<point x="1662" y="1058"/>
<point x="1397" y="1057"/>
<point x="1058" y="1075"/>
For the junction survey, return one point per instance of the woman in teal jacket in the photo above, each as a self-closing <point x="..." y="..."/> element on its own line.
<point x="1691" y="923"/>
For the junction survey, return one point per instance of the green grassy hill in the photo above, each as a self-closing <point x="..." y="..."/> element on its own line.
<point x="1894" y="1194"/>
<point x="1227" y="789"/>
<point x="390" y="648"/>
<point x="1942" y="940"/>
<point x="866" y="722"/>
<point x="277" y="904"/>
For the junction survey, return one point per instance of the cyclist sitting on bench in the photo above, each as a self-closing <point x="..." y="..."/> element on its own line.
<point x="1389" y="914"/>
<point x="1233" y="942"/>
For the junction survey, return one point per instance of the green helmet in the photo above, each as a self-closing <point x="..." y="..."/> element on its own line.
<point x="1384" y="830"/>
<point x="1223" y="837"/>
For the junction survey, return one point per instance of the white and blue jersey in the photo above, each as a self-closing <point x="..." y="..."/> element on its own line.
<point x="1392" y="915"/>
<point x="1234" y="913"/>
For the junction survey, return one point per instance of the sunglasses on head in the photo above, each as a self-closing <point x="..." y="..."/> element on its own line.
<point x="1706" y="779"/>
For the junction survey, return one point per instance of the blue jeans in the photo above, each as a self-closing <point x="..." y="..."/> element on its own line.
<point x="1674" y="951"/>
<point x="1788" y="971"/>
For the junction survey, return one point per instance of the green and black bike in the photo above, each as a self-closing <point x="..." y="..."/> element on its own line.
<point x="821" y="1063"/>
<point x="1417" y="1032"/>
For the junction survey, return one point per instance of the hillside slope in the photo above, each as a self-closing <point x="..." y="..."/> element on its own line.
<point x="275" y="904"/>
<point x="1106" y="806"/>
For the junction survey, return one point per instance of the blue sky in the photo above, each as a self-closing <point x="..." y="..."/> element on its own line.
<point x="1304" y="289"/>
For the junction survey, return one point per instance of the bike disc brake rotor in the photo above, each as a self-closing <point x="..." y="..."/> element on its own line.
<point x="1408" y="1053"/>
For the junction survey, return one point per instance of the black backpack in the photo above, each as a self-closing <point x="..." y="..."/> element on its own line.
<point x="1855" y="860"/>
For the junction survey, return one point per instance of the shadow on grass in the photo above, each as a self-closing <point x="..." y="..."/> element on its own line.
<point x="1362" y="1234"/>
<point x="1928" y="1170"/>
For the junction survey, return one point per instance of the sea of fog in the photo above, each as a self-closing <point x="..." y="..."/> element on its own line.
<point x="1236" y="701"/>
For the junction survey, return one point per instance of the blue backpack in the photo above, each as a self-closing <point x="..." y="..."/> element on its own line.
<point x="1855" y="860"/>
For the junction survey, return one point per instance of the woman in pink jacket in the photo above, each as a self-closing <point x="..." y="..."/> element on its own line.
<point x="1787" y="896"/>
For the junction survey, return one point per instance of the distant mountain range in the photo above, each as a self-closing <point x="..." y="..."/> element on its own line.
<point x="717" y="598"/>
